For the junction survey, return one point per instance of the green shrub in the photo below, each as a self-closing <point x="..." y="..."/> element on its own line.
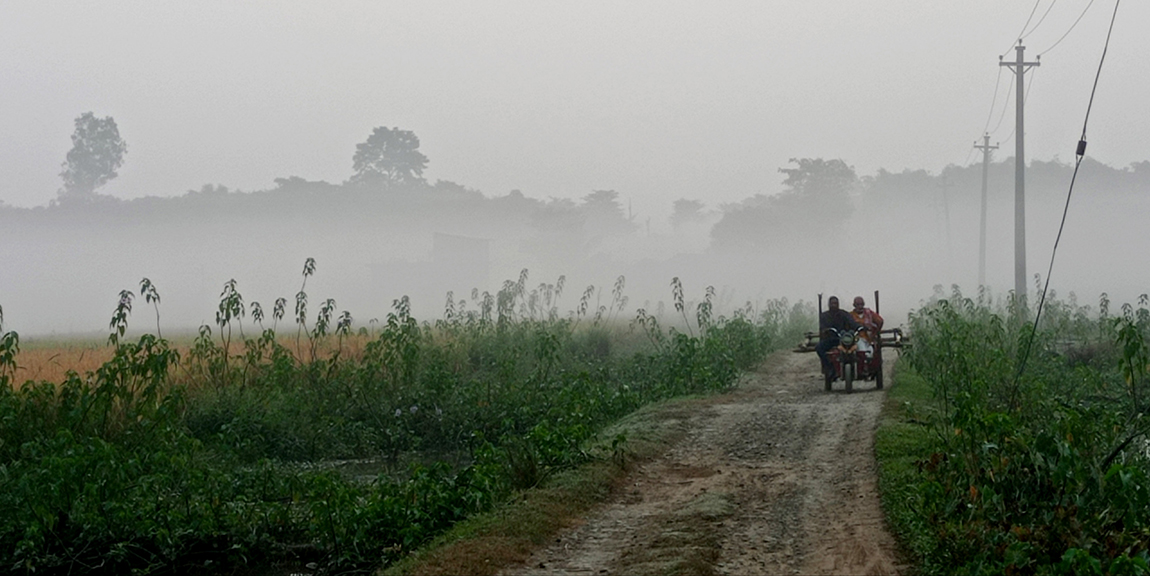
<point x="1041" y="468"/>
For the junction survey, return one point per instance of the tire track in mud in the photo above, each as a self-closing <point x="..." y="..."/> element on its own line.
<point x="774" y="477"/>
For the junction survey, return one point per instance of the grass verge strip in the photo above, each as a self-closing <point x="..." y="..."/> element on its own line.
<point x="901" y="442"/>
<point x="485" y="544"/>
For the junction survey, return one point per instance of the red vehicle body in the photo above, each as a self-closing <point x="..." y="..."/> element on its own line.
<point x="854" y="359"/>
<point x="858" y="356"/>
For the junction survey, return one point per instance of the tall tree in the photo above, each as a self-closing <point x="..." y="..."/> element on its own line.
<point x="816" y="197"/>
<point x="389" y="156"/>
<point x="605" y="215"/>
<point x="97" y="152"/>
<point x="821" y="186"/>
<point x="687" y="212"/>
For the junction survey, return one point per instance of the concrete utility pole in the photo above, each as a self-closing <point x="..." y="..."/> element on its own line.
<point x="986" y="148"/>
<point x="1019" y="67"/>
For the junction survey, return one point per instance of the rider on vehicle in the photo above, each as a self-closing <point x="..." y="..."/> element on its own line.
<point x="838" y="319"/>
<point x="868" y="318"/>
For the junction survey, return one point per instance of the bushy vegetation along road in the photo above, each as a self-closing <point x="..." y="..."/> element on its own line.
<point x="245" y="452"/>
<point x="990" y="467"/>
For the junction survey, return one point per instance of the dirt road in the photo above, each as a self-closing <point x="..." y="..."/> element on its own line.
<point x="775" y="477"/>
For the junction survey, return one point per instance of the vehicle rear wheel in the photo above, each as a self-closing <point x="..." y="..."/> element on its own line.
<point x="878" y="379"/>
<point x="848" y="376"/>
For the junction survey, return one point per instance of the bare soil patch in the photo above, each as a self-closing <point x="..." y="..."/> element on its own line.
<point x="775" y="477"/>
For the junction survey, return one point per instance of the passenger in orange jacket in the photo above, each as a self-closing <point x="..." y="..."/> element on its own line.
<point x="868" y="318"/>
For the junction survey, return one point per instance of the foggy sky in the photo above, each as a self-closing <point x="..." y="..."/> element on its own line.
<point x="658" y="100"/>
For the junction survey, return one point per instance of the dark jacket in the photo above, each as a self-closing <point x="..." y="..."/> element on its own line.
<point x="838" y="319"/>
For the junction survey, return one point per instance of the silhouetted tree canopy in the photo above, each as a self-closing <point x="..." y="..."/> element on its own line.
<point x="686" y="211"/>
<point x="97" y="152"/>
<point x="389" y="156"/>
<point x="816" y="199"/>
<point x="604" y="214"/>
<point x="819" y="185"/>
<point x="566" y="230"/>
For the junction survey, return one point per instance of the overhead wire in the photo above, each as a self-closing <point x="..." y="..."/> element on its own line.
<point x="994" y="100"/>
<point x="1023" y="33"/>
<point x="966" y="162"/>
<point x="1080" y="153"/>
<point x="1040" y="20"/>
<point x="1098" y="74"/>
<point x="1067" y="33"/>
<point x="1028" y="19"/>
<point x="989" y="113"/>
<point x="1005" y="107"/>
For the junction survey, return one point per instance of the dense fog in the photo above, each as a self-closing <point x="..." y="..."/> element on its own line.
<point x="767" y="150"/>
<point x="827" y="230"/>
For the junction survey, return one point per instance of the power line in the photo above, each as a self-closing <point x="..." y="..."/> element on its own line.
<point x="1097" y="74"/>
<point x="1040" y="20"/>
<point x="1028" y="19"/>
<point x="1067" y="33"/>
<point x="1005" y="107"/>
<point x="998" y="79"/>
<point x="1080" y="153"/>
<point x="968" y="156"/>
<point x="994" y="100"/>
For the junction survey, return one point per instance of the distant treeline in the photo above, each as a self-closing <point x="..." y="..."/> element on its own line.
<point x="815" y="192"/>
<point x="380" y="239"/>
<point x="822" y="195"/>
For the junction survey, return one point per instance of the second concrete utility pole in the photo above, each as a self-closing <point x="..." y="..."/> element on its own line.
<point x="986" y="148"/>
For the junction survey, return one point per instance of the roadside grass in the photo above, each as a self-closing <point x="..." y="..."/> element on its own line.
<point x="902" y="442"/>
<point x="487" y="543"/>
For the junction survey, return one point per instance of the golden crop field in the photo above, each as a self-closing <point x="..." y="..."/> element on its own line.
<point x="51" y="359"/>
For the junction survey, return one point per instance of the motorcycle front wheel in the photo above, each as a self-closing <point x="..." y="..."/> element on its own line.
<point x="848" y="376"/>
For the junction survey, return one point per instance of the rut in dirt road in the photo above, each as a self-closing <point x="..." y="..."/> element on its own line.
<point x="774" y="477"/>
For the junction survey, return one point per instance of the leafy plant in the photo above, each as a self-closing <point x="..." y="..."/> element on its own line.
<point x="119" y="323"/>
<point x="9" y="349"/>
<point x="151" y="296"/>
<point x="1038" y="471"/>
<point x="231" y="307"/>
